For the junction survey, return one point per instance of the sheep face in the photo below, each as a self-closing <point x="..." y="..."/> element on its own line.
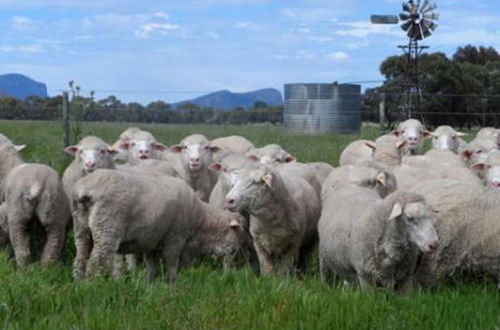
<point x="228" y="168"/>
<point x="412" y="131"/>
<point x="91" y="154"/>
<point x="142" y="145"/>
<point x="417" y="219"/>
<point x="490" y="169"/>
<point x="196" y="152"/>
<point x="446" y="138"/>
<point x="251" y="188"/>
<point x="270" y="154"/>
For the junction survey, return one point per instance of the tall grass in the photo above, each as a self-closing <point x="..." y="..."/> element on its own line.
<point x="207" y="298"/>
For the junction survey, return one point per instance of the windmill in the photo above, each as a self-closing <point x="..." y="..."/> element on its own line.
<point x="417" y="20"/>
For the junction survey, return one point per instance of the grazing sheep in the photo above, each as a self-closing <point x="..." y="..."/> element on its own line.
<point x="34" y="195"/>
<point x="490" y="169"/>
<point x="233" y="144"/>
<point x="283" y="212"/>
<point x="121" y="212"/>
<point x="142" y="145"/>
<point x="356" y="153"/>
<point x="191" y="159"/>
<point x="413" y="132"/>
<point x="373" y="241"/>
<point x="446" y="138"/>
<point x="380" y="180"/>
<point x="90" y="154"/>
<point x="270" y="154"/>
<point x="466" y="221"/>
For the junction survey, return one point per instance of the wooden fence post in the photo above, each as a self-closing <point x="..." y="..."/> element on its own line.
<point x="65" y="119"/>
<point x="381" y="113"/>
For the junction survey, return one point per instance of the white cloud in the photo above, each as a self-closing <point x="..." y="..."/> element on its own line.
<point x="241" y="25"/>
<point x="160" y="28"/>
<point x="338" y="56"/>
<point x="310" y="14"/>
<point x="363" y="29"/>
<point x="23" y="49"/>
<point x="214" y="35"/>
<point x="320" y="39"/>
<point x="161" y="14"/>
<point x="22" y="23"/>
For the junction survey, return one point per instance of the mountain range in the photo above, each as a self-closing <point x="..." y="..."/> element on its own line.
<point x="20" y="86"/>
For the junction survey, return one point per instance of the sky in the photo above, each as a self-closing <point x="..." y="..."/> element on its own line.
<point x="174" y="50"/>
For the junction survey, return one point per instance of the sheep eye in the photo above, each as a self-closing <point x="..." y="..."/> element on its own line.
<point x="103" y="152"/>
<point x="132" y="144"/>
<point x="454" y="138"/>
<point x="435" y="138"/>
<point x="479" y="151"/>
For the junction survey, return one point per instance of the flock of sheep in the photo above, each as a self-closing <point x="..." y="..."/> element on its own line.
<point x="387" y="216"/>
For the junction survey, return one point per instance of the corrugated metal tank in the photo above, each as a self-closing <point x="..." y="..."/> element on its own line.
<point x="322" y="108"/>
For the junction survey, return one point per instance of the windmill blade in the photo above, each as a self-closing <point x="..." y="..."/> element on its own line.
<point x="430" y="8"/>
<point x="411" y="31"/>
<point x="424" y="5"/>
<point x="406" y="26"/>
<point x="417" y="7"/>
<point x="432" y="16"/>
<point x="404" y="16"/>
<point x="406" y="7"/>
<point x="425" y="30"/>
<point x="430" y="25"/>
<point x="384" y="19"/>
<point x="421" y="32"/>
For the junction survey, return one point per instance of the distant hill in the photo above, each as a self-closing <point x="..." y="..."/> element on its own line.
<point x="20" y="86"/>
<point x="226" y="100"/>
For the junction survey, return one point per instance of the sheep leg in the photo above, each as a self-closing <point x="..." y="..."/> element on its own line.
<point x="83" y="243"/>
<point x="172" y="252"/>
<point x="54" y="244"/>
<point x="364" y="283"/>
<point x="118" y="265"/>
<point x="151" y="260"/>
<point x="265" y="261"/>
<point x="20" y="241"/>
<point x="286" y="262"/>
<point x="101" y="256"/>
<point x="131" y="260"/>
<point x="324" y="273"/>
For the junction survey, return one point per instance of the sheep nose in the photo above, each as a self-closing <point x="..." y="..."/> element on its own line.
<point x="496" y="184"/>
<point x="413" y="139"/>
<point x="195" y="160"/>
<point x="89" y="165"/>
<point x="433" y="246"/>
<point x="144" y="152"/>
<point x="229" y="203"/>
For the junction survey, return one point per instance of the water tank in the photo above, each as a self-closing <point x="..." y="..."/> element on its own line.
<point x="322" y="108"/>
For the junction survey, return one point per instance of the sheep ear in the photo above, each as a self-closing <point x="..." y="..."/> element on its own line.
<point x="160" y="146"/>
<point x="125" y="145"/>
<point x="382" y="179"/>
<point x="19" y="147"/>
<point x="253" y="158"/>
<point x="268" y="179"/>
<point x="112" y="151"/>
<point x="461" y="134"/>
<point x="72" y="150"/>
<point x="289" y="158"/>
<point x="427" y="134"/>
<point x="466" y="154"/>
<point x="214" y="148"/>
<point x="216" y="167"/>
<point x="478" y="166"/>
<point x="371" y="145"/>
<point x="401" y="144"/>
<point x="176" y="148"/>
<point x="397" y="210"/>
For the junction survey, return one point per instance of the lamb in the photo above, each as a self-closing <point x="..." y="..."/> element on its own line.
<point x="466" y="221"/>
<point x="490" y="169"/>
<point x="33" y="195"/>
<point x="356" y="153"/>
<point x="142" y="145"/>
<point x="413" y="132"/>
<point x="90" y="154"/>
<point x="446" y="138"/>
<point x="121" y="212"/>
<point x="191" y="159"/>
<point x="283" y="215"/>
<point x="233" y="144"/>
<point x="373" y="241"/>
<point x="270" y="154"/>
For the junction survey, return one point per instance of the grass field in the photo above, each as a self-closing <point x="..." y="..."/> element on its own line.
<point x="205" y="297"/>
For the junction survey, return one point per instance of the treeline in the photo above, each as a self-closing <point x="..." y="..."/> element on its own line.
<point x="112" y="109"/>
<point x="461" y="91"/>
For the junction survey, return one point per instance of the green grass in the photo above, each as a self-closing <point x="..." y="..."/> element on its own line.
<point x="207" y="298"/>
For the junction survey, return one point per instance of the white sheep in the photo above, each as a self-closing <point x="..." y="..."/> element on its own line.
<point x="142" y="145"/>
<point x="374" y="241"/>
<point x="446" y="138"/>
<point x="270" y="154"/>
<point x="356" y="153"/>
<point x="477" y="150"/>
<point x="191" y="159"/>
<point x="413" y="132"/>
<point x="490" y="169"/>
<point x="121" y="155"/>
<point x="226" y="169"/>
<point x="283" y="212"/>
<point x="233" y="144"/>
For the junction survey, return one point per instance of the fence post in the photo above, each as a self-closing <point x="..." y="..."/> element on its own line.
<point x="381" y="112"/>
<point x="65" y="119"/>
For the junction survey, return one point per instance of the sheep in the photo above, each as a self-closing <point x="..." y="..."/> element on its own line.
<point x="434" y="158"/>
<point x="387" y="150"/>
<point x="488" y="133"/>
<point x="466" y="221"/>
<point x="356" y="153"/>
<point x="9" y="159"/>
<point x="446" y="138"/>
<point x="413" y="132"/>
<point x="121" y="155"/>
<point x="142" y="145"/>
<point x="191" y="159"/>
<point x="270" y="154"/>
<point x="323" y="170"/>
<point x="477" y="150"/>
<point x="490" y="169"/>
<point x="382" y="181"/>
<point x="34" y="195"/>
<point x="371" y="240"/>
<point x="233" y="144"/>
<point x="90" y="154"/>
<point x="283" y="214"/>
<point x="226" y="169"/>
<point x="121" y="212"/>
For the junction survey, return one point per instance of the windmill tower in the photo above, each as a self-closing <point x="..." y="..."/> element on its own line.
<point x="417" y="20"/>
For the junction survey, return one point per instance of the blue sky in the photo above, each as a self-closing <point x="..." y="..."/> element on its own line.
<point x="179" y="49"/>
